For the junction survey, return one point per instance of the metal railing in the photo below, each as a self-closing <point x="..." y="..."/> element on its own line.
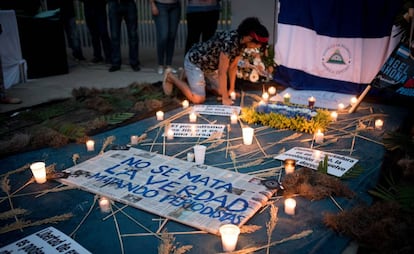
<point x="146" y="25"/>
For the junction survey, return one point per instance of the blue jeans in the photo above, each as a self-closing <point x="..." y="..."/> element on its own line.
<point x="125" y="10"/>
<point x="166" y="23"/>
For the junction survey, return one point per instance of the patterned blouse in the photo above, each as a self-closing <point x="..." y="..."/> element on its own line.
<point x="206" y="55"/>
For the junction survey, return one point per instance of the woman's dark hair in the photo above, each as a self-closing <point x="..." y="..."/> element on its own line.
<point x="252" y="26"/>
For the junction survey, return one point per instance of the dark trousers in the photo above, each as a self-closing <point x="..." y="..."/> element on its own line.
<point x="201" y="25"/>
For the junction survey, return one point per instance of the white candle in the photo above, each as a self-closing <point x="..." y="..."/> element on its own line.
<point x="193" y="130"/>
<point x="341" y="107"/>
<point x="160" y="115"/>
<point x="134" y="139"/>
<point x="286" y="98"/>
<point x="316" y="154"/>
<point x="290" y="206"/>
<point x="39" y="172"/>
<point x="233" y="118"/>
<point x="193" y="117"/>
<point x="334" y="116"/>
<point x="90" y="145"/>
<point x="233" y="95"/>
<point x="170" y="134"/>
<point x="105" y="204"/>
<point x="311" y="102"/>
<point x="185" y="104"/>
<point x="265" y="96"/>
<point x="247" y="135"/>
<point x="378" y="124"/>
<point x="353" y="100"/>
<point x="319" y="137"/>
<point x="289" y="166"/>
<point x="190" y="156"/>
<point x="271" y="90"/>
<point x="229" y="235"/>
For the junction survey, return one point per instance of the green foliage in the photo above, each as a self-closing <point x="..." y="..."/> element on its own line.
<point x="396" y="140"/>
<point x="117" y="102"/>
<point x="46" y="113"/>
<point x="323" y="165"/>
<point x="116" y="118"/>
<point x="70" y="130"/>
<point x="279" y="121"/>
<point x="353" y="172"/>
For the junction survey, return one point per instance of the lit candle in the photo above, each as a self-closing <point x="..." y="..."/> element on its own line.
<point x="170" y="134"/>
<point x="247" y="135"/>
<point x="378" y="124"/>
<point x="134" y="139"/>
<point x="289" y="166"/>
<point x="233" y="118"/>
<point x="105" y="204"/>
<point x="265" y="96"/>
<point x="233" y="95"/>
<point x="319" y="137"/>
<point x="185" y="104"/>
<point x="160" y="115"/>
<point x="193" y="130"/>
<point x="316" y="154"/>
<point x="290" y="206"/>
<point x="334" y="116"/>
<point x="353" y="100"/>
<point x="229" y="235"/>
<point x="311" y="102"/>
<point x="39" y="172"/>
<point x="341" y="106"/>
<point x="90" y="145"/>
<point x="190" y="157"/>
<point x="271" y="90"/>
<point x="286" y="98"/>
<point x="193" y="117"/>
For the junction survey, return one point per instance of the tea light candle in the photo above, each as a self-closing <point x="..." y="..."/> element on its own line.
<point x="265" y="96"/>
<point x="353" y="100"/>
<point x="233" y="118"/>
<point x="192" y="117"/>
<point x="378" y="124"/>
<point x="286" y="98"/>
<point x="105" y="204"/>
<point x="319" y="137"/>
<point x="271" y="90"/>
<point x="39" y="172"/>
<point x="190" y="157"/>
<point x="160" y="115"/>
<point x="229" y="235"/>
<point x="289" y="166"/>
<point x="185" y="104"/>
<point x="233" y="95"/>
<point x="247" y="135"/>
<point x="290" y="206"/>
<point x="90" y="145"/>
<point x="341" y="106"/>
<point x="170" y="134"/>
<point x="311" y="102"/>
<point x="134" y="139"/>
<point x="334" y="116"/>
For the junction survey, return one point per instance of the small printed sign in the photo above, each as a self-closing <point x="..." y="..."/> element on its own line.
<point x="338" y="164"/>
<point x="217" y="110"/>
<point x="196" y="130"/>
<point x="48" y="240"/>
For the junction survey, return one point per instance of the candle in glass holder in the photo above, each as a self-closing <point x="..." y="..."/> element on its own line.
<point x="265" y="96"/>
<point x="105" y="204"/>
<point x="233" y="118"/>
<point x="286" y="98"/>
<point x="378" y="124"/>
<point x="290" y="206"/>
<point x="353" y="100"/>
<point x="289" y="165"/>
<point x="311" y="102"/>
<point x="229" y="235"/>
<point x="192" y="117"/>
<point x="319" y="137"/>
<point x="185" y="104"/>
<point x="334" y="116"/>
<point x="90" y="145"/>
<point x="247" y="135"/>
<point x="341" y="106"/>
<point x="271" y="90"/>
<point x="39" y="172"/>
<point x="160" y="115"/>
<point x="134" y="139"/>
<point x="233" y="95"/>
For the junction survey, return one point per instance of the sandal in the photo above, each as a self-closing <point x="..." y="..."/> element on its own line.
<point x="166" y="85"/>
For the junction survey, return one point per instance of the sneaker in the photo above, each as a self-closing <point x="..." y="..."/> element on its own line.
<point x="114" y="68"/>
<point x="160" y="70"/>
<point x="10" y="100"/>
<point x="135" y="67"/>
<point x="166" y="85"/>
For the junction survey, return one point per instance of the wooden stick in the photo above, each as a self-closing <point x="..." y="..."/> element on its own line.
<point x="360" y="98"/>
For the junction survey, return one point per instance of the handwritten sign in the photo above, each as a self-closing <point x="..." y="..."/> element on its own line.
<point x="201" y="196"/>
<point x="196" y="130"/>
<point x="48" y="240"/>
<point x="217" y="110"/>
<point x="338" y="165"/>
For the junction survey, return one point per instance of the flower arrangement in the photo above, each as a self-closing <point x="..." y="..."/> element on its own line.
<point x="257" y="64"/>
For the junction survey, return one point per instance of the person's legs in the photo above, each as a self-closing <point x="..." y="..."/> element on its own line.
<point x="161" y="24"/>
<point x="115" y="28"/>
<point x="3" y="98"/>
<point x="173" y="21"/>
<point x="102" y="24"/>
<point x="193" y="30"/>
<point x="74" y="37"/>
<point x="209" y="26"/>
<point x="91" y="22"/>
<point x="131" y="20"/>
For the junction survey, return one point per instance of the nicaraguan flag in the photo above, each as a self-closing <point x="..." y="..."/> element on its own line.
<point x="333" y="45"/>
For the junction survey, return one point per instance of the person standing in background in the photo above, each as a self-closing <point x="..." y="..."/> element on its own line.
<point x="97" y="22"/>
<point x="126" y="10"/>
<point x="202" y="19"/>
<point x="166" y="15"/>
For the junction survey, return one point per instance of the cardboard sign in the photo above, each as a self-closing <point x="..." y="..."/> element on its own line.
<point x="217" y="110"/>
<point x="338" y="165"/>
<point x="49" y="240"/>
<point x="196" y="130"/>
<point x="201" y="196"/>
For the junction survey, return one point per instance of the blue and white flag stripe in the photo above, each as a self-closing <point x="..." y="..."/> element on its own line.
<point x="333" y="45"/>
